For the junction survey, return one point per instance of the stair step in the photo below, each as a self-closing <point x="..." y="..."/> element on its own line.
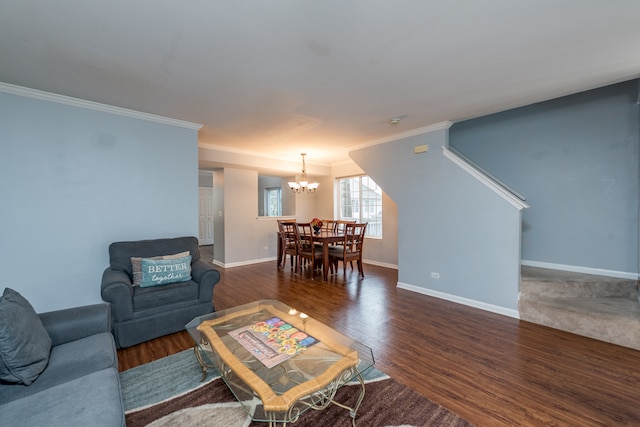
<point x="614" y="320"/>
<point x="559" y="284"/>
<point x="599" y="307"/>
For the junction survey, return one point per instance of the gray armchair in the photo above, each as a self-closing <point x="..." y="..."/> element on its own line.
<point x="143" y="313"/>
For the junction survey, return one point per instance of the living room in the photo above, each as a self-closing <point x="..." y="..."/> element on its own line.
<point x="82" y="172"/>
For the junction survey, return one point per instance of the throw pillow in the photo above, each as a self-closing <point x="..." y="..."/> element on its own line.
<point x="163" y="271"/>
<point x="25" y="344"/>
<point x="136" y="265"/>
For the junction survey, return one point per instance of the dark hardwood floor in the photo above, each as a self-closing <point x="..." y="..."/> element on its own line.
<point x="490" y="369"/>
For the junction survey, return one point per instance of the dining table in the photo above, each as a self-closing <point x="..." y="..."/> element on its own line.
<point x="326" y="238"/>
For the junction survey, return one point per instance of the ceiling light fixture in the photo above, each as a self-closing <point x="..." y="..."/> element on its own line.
<point x="303" y="185"/>
<point x="394" y="121"/>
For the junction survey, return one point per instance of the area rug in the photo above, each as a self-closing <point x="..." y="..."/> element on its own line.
<point x="168" y="392"/>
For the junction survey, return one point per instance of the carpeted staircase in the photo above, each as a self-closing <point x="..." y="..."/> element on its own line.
<point x="600" y="307"/>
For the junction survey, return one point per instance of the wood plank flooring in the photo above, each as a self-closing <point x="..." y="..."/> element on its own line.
<point x="490" y="369"/>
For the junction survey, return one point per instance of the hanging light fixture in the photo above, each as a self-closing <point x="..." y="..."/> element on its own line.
<point x="303" y="185"/>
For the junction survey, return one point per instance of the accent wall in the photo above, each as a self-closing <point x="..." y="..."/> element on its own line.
<point x="576" y="160"/>
<point x="73" y="180"/>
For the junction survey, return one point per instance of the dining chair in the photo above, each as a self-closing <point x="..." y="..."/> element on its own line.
<point x="307" y="249"/>
<point x="288" y="242"/>
<point x="341" y="223"/>
<point x="340" y="228"/>
<point x="329" y="224"/>
<point x="350" y="249"/>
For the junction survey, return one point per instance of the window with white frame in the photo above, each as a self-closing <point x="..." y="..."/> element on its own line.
<point x="360" y="199"/>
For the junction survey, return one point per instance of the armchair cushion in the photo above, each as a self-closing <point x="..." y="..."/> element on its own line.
<point x="145" y="298"/>
<point x="136" y="265"/>
<point x="24" y="342"/>
<point x="162" y="271"/>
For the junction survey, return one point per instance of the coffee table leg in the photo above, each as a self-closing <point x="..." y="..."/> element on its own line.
<point x="352" y="411"/>
<point x="328" y="399"/>
<point x="273" y="422"/>
<point x="201" y="362"/>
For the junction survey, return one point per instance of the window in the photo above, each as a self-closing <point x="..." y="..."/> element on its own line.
<point x="360" y="199"/>
<point x="273" y="201"/>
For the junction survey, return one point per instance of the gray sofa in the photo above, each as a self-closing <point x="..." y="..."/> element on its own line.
<point x="79" y="385"/>
<point x="140" y="312"/>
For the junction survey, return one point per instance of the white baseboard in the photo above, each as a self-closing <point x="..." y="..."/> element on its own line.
<point x="380" y="264"/>
<point x="460" y="300"/>
<point x="579" y="269"/>
<point x="241" y="263"/>
<point x="257" y="261"/>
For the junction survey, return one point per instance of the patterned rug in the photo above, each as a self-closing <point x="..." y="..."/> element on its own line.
<point x="168" y="392"/>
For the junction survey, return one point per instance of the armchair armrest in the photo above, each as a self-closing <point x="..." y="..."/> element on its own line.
<point x="206" y="277"/>
<point x="117" y="290"/>
<point x="74" y="323"/>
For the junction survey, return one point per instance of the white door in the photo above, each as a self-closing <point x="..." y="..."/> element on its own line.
<point x="205" y="229"/>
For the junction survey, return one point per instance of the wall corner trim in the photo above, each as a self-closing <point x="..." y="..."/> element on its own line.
<point x="96" y="106"/>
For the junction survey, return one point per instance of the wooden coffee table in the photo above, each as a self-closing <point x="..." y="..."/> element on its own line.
<point x="307" y="380"/>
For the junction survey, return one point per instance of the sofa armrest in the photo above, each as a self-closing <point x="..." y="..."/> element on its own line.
<point x="75" y="323"/>
<point x="206" y="277"/>
<point x="117" y="290"/>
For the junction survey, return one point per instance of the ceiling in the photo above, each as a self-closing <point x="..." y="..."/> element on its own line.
<point x="277" y="78"/>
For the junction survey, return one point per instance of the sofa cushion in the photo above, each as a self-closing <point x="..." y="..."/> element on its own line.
<point x="71" y="360"/>
<point x="163" y="271"/>
<point x="156" y="297"/>
<point x="91" y="400"/>
<point x="24" y="342"/>
<point x="136" y="265"/>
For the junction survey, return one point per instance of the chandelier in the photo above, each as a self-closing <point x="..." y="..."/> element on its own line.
<point x="303" y="185"/>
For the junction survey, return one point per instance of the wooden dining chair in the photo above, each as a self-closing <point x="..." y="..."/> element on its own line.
<point x="307" y="249"/>
<point x="329" y="224"/>
<point x="350" y="249"/>
<point x="340" y="227"/>
<point x="288" y="242"/>
<point x="341" y="224"/>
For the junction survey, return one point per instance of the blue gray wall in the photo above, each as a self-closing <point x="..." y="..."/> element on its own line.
<point x="576" y="160"/>
<point x="448" y="223"/>
<point x="73" y="180"/>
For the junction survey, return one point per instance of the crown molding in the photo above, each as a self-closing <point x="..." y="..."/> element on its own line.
<point x="233" y="150"/>
<point x="345" y="162"/>
<point x="413" y="132"/>
<point x="243" y="152"/>
<point x="96" y="106"/>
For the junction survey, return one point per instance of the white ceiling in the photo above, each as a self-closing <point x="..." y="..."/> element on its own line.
<point x="283" y="77"/>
